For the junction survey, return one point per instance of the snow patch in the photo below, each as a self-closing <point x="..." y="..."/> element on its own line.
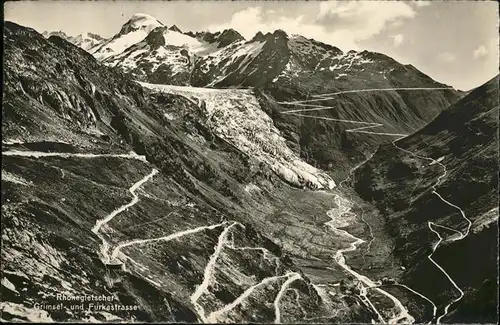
<point x="437" y="161"/>
<point x="485" y="220"/>
<point x="249" y="188"/>
<point x="9" y="285"/>
<point x="9" y="177"/>
<point x="169" y="116"/>
<point x="32" y="314"/>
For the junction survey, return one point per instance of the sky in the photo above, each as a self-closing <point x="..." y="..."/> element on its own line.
<point x="454" y="42"/>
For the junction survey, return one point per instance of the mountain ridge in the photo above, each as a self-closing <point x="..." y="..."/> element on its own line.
<point x="462" y="145"/>
<point x="149" y="23"/>
<point x="85" y="40"/>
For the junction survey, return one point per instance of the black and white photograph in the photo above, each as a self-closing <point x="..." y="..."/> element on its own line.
<point x="263" y="162"/>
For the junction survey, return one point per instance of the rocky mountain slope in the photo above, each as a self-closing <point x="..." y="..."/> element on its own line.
<point x="443" y="181"/>
<point x="151" y="199"/>
<point x="315" y="101"/>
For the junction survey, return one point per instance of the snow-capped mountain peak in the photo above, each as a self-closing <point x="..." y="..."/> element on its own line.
<point x="89" y="35"/>
<point x="223" y="38"/>
<point x="277" y="34"/>
<point x="132" y="32"/>
<point x="88" y="40"/>
<point x="142" y="22"/>
<point x="175" y="28"/>
<point x="59" y="33"/>
<point x="85" y="40"/>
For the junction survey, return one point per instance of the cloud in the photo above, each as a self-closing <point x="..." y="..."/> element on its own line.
<point x="421" y="3"/>
<point x="447" y="57"/>
<point x="254" y="19"/>
<point x="480" y="52"/>
<point x="364" y="19"/>
<point x="339" y="23"/>
<point x="397" y="39"/>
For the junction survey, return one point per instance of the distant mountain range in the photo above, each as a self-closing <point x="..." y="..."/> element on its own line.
<point x="288" y="68"/>
<point x="86" y="40"/>
<point x="156" y="53"/>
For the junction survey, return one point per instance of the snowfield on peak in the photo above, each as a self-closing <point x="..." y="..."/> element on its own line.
<point x="178" y="39"/>
<point x="164" y="54"/>
<point x="118" y="45"/>
<point x="309" y="57"/>
<point x="134" y="31"/>
<point x="86" y="40"/>
<point x="236" y="116"/>
<point x="141" y="21"/>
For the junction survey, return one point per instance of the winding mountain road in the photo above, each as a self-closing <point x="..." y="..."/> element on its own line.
<point x="104" y="247"/>
<point x="369" y="125"/>
<point x="41" y="154"/>
<point x="102" y="222"/>
<point x="431" y="225"/>
<point x="328" y="96"/>
<point x="120" y="246"/>
<point x="215" y="316"/>
<point x="340" y="260"/>
<point x="293" y="276"/>
<point x="434" y="248"/>
<point x="222" y="242"/>
<point x="209" y="269"/>
<point x="339" y="256"/>
<point x="434" y="307"/>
